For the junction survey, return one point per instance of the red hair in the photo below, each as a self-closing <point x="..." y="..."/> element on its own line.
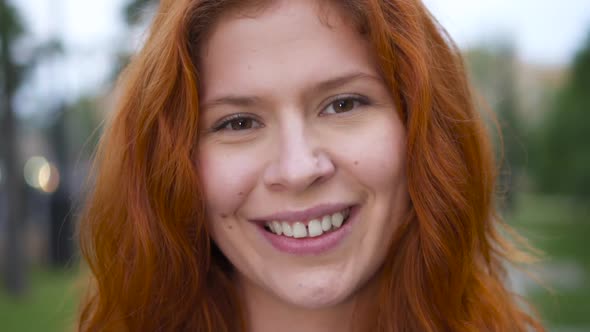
<point x="146" y="240"/>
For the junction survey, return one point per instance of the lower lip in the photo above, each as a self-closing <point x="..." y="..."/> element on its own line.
<point x="312" y="245"/>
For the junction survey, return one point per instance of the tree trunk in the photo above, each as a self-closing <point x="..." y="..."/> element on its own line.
<point x="13" y="251"/>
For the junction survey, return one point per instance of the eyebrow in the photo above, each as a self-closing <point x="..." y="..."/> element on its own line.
<point x="343" y="80"/>
<point x="233" y="100"/>
<point x="330" y="84"/>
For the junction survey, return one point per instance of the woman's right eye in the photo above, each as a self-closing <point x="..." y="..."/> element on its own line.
<point x="237" y="122"/>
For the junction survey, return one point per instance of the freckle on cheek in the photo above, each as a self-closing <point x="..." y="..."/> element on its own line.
<point x="241" y="193"/>
<point x="356" y="162"/>
<point x="230" y="227"/>
<point x="223" y="216"/>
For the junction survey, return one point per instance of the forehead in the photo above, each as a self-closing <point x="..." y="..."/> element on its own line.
<point x="287" y="45"/>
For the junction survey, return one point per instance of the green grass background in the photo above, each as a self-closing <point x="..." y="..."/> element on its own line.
<point x="560" y="227"/>
<point x="49" y="305"/>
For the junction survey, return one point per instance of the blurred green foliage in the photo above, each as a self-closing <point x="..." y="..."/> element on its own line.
<point x="12" y="26"/>
<point x="12" y="29"/>
<point x="493" y="71"/>
<point x="134" y="10"/>
<point x="560" y="148"/>
<point x="545" y="171"/>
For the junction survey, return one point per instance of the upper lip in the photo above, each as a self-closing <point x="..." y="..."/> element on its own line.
<point x="303" y="215"/>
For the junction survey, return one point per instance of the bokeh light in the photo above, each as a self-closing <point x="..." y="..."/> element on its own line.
<point x="48" y="178"/>
<point x="32" y="168"/>
<point x="41" y="175"/>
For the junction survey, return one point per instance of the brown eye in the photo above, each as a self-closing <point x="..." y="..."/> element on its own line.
<point x="343" y="105"/>
<point x="241" y="124"/>
<point x="238" y="122"/>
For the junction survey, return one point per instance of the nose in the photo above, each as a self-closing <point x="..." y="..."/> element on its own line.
<point x="299" y="161"/>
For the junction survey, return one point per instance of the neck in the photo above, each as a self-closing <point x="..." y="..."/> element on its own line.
<point x="267" y="313"/>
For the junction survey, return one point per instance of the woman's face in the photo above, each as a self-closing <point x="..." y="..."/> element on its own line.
<point x="302" y="153"/>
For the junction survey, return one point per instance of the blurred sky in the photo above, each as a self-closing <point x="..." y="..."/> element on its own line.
<point x="544" y="32"/>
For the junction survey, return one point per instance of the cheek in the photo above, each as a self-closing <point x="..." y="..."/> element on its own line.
<point x="378" y="154"/>
<point x="227" y="177"/>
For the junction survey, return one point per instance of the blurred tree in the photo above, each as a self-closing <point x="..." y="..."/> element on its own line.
<point x="135" y="10"/>
<point x="560" y="159"/>
<point x="60" y="217"/>
<point x="493" y="72"/>
<point x="512" y="152"/>
<point x="73" y="140"/>
<point x="11" y="29"/>
<point x="13" y="74"/>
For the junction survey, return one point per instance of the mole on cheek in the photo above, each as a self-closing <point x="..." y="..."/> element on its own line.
<point x="356" y="162"/>
<point x="241" y="193"/>
<point x="223" y="216"/>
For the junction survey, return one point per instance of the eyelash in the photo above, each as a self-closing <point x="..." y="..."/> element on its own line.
<point x="234" y="117"/>
<point x="358" y="100"/>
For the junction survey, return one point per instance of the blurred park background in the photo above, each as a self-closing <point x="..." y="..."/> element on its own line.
<point x="529" y="60"/>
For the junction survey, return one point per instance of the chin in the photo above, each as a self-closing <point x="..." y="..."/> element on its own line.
<point x="317" y="294"/>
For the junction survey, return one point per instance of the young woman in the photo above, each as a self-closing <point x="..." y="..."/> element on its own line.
<point x="305" y="165"/>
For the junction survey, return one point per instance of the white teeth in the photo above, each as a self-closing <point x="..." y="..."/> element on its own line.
<point x="315" y="228"/>
<point x="326" y="223"/>
<point x="299" y="230"/>
<point x="337" y="219"/>
<point x="277" y="228"/>
<point x="287" y="229"/>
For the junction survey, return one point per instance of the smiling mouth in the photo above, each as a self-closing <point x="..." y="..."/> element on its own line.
<point x="310" y="228"/>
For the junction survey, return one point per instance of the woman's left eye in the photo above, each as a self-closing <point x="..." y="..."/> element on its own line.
<point x="345" y="104"/>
